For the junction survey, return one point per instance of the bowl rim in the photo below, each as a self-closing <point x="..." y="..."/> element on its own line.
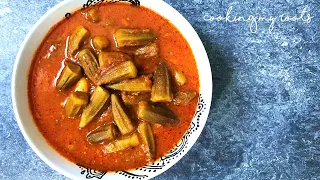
<point x="17" y="112"/>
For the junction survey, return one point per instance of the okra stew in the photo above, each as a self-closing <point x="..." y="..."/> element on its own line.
<point x="113" y="87"/>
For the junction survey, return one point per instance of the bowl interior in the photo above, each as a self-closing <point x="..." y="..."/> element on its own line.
<point x="37" y="141"/>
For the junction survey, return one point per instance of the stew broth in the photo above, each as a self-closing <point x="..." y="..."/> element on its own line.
<point x="46" y="103"/>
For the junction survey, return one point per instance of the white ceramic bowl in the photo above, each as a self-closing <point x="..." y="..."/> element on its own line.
<point x="47" y="153"/>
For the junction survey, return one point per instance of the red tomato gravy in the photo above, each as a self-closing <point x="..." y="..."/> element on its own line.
<point x="63" y="133"/>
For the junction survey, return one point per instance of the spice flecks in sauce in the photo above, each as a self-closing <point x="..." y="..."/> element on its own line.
<point x="45" y="101"/>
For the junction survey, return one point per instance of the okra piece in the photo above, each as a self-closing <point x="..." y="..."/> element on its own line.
<point x="75" y="40"/>
<point x="134" y="37"/>
<point x="146" y="135"/>
<point x="140" y="84"/>
<point x="117" y="73"/>
<point x="147" y="51"/>
<point x="82" y="85"/>
<point x="105" y="133"/>
<point x="109" y="58"/>
<point x="130" y="99"/>
<point x="92" y="15"/>
<point x="156" y="114"/>
<point x="184" y="98"/>
<point x="75" y="104"/>
<point x="70" y="74"/>
<point x="161" y="88"/>
<point x="120" y="116"/>
<point x="179" y="78"/>
<point x="98" y="99"/>
<point x="99" y="43"/>
<point x="122" y="144"/>
<point x="89" y="63"/>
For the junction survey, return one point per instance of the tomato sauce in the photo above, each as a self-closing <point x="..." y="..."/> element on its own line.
<point x="46" y="103"/>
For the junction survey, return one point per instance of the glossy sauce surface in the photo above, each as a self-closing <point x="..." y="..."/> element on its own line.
<point x="46" y="103"/>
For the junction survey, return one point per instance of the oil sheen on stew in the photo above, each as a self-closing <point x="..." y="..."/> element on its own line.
<point x="160" y="58"/>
